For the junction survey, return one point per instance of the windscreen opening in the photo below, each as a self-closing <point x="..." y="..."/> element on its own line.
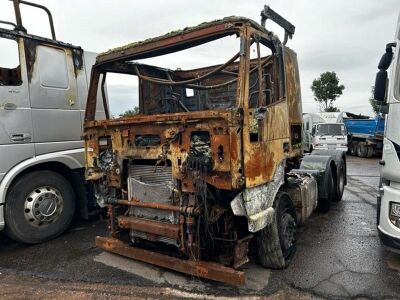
<point x="200" y="78"/>
<point x="331" y="129"/>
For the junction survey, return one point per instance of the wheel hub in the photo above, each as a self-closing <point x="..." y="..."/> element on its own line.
<point x="43" y="206"/>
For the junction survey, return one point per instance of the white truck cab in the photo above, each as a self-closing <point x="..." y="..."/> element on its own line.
<point x="329" y="136"/>
<point x="324" y="131"/>
<point x="388" y="206"/>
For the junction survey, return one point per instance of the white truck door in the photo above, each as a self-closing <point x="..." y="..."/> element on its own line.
<point x="16" y="132"/>
<point x="54" y="100"/>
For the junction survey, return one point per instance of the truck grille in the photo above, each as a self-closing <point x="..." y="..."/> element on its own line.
<point x="151" y="184"/>
<point x="150" y="174"/>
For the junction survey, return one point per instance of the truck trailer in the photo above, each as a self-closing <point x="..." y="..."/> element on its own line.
<point x="42" y="101"/>
<point x="365" y="134"/>
<point x="213" y="163"/>
<point x="388" y="94"/>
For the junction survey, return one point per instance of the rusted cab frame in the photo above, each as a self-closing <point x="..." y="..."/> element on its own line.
<point x="240" y="160"/>
<point x="254" y="173"/>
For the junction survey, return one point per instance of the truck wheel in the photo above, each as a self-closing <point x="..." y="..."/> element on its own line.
<point x="324" y="204"/>
<point x="276" y="243"/>
<point x="353" y="148"/>
<point x="362" y="150"/>
<point x="370" y="151"/>
<point x="340" y="183"/>
<point x="39" y="207"/>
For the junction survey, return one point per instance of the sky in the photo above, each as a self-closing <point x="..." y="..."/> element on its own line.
<point x="345" y="36"/>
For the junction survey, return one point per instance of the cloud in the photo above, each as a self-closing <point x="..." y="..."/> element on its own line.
<point x="343" y="36"/>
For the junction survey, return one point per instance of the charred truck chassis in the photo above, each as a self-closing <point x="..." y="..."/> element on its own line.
<point x="203" y="175"/>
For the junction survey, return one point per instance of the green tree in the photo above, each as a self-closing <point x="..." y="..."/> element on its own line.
<point x="376" y="108"/>
<point x="130" y="112"/>
<point x="326" y="89"/>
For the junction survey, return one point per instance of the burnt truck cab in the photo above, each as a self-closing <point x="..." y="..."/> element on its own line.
<point x="212" y="156"/>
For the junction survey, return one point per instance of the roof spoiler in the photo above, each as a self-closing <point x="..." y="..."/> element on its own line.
<point x="19" y="26"/>
<point x="268" y="13"/>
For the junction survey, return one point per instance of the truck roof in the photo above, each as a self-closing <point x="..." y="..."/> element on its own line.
<point x="199" y="34"/>
<point x="8" y="33"/>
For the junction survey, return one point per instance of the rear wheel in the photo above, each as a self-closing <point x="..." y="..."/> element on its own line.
<point x="370" y="151"/>
<point x="39" y="207"/>
<point x="340" y="182"/>
<point x="324" y="204"/>
<point x="353" y="148"/>
<point x="362" y="149"/>
<point x="276" y="243"/>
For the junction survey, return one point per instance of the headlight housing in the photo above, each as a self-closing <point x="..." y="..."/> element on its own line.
<point x="394" y="214"/>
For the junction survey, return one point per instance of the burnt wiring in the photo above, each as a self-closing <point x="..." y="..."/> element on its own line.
<point x="160" y="81"/>
<point x="184" y="82"/>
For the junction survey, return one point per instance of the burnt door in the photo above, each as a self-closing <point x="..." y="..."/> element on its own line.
<point x="266" y="126"/>
<point x="16" y="132"/>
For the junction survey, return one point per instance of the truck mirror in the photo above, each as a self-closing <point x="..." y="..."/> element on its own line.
<point x="386" y="59"/>
<point x="380" y="86"/>
<point x="381" y="76"/>
<point x="313" y="131"/>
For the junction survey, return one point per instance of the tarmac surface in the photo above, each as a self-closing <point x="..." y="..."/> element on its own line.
<point x="339" y="255"/>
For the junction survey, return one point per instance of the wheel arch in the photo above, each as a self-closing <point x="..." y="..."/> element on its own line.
<point x="318" y="164"/>
<point x="69" y="164"/>
<point x="339" y="158"/>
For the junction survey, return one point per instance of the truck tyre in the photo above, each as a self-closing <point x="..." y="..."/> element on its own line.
<point x="361" y="150"/>
<point x="39" y="207"/>
<point x="276" y="243"/>
<point x="341" y="178"/>
<point x="324" y="204"/>
<point x="370" y="151"/>
<point x="353" y="148"/>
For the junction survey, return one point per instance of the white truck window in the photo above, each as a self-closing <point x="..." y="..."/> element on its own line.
<point x="10" y="70"/>
<point x="53" y="70"/>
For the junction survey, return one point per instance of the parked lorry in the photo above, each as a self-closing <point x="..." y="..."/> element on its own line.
<point x="42" y="102"/>
<point x="388" y="205"/>
<point x="213" y="163"/>
<point x="365" y="134"/>
<point x="322" y="131"/>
